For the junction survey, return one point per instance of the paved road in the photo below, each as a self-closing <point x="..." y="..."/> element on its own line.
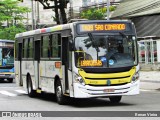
<point x="13" y="98"/>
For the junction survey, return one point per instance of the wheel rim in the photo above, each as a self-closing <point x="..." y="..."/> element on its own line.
<point x="58" y="93"/>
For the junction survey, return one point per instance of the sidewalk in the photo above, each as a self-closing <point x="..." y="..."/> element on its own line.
<point x="150" y="80"/>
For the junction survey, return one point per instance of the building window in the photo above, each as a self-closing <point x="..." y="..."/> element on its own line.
<point x="155" y="51"/>
<point x="147" y="51"/>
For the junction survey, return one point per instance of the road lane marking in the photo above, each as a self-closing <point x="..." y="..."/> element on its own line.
<point x="7" y="93"/>
<point x="145" y="90"/>
<point x="21" y="91"/>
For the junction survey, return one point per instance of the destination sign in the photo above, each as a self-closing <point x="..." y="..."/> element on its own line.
<point x="85" y="63"/>
<point x="102" y="27"/>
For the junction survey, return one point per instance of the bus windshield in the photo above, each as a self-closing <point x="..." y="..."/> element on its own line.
<point x="6" y="56"/>
<point x="108" y="51"/>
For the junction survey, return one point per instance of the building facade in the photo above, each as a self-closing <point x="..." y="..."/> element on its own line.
<point x="146" y="16"/>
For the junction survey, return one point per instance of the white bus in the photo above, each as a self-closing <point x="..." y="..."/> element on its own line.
<point x="82" y="59"/>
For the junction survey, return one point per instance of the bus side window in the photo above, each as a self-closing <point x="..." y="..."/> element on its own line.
<point x="45" y="46"/>
<point x="16" y="50"/>
<point x="30" y="48"/>
<point x="50" y="43"/>
<point x="20" y="47"/>
<point x="56" y="46"/>
<point x="25" y="48"/>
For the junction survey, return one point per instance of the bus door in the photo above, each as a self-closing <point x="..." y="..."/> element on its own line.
<point x="67" y="66"/>
<point x="36" y="62"/>
<point x="20" y="64"/>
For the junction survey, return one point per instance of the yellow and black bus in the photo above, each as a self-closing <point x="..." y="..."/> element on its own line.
<point x="83" y="59"/>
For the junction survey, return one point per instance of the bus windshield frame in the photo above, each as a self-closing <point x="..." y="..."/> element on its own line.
<point x="105" y="51"/>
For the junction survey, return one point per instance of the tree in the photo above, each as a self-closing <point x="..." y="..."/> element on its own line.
<point x="58" y="5"/>
<point x="12" y="15"/>
<point x="95" y="13"/>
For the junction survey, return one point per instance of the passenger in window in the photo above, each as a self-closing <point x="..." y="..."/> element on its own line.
<point x="120" y="48"/>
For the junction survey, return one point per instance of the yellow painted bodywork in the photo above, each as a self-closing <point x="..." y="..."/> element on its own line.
<point x="38" y="91"/>
<point x="7" y="73"/>
<point x="101" y="79"/>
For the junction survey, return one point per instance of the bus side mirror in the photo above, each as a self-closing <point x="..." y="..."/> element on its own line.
<point x="71" y="46"/>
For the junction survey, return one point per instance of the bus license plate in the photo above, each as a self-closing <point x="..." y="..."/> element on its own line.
<point x="109" y="90"/>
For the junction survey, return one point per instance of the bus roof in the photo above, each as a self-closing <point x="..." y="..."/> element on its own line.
<point x="44" y="30"/>
<point x="5" y="40"/>
<point x="109" y="21"/>
<point x="63" y="27"/>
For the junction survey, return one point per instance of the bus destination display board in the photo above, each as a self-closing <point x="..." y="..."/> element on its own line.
<point x="101" y="27"/>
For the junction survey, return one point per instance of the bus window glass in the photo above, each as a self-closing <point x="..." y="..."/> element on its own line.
<point x="16" y="49"/>
<point x="59" y="45"/>
<point x="56" y="45"/>
<point x="105" y="51"/>
<point x="0" y="56"/>
<point x="45" y="47"/>
<point x="25" y="48"/>
<point x="30" y="48"/>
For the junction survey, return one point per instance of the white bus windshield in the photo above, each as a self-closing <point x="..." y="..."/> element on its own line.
<point x="107" y="51"/>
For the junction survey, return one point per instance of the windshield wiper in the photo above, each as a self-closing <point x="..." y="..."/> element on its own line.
<point x="93" y="43"/>
<point x="123" y="35"/>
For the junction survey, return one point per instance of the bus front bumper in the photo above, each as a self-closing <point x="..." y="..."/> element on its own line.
<point x="7" y="75"/>
<point x="87" y="91"/>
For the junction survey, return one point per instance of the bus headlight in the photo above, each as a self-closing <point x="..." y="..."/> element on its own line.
<point x="78" y="79"/>
<point x="135" y="76"/>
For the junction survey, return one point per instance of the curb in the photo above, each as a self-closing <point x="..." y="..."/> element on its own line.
<point x="155" y="90"/>
<point x="152" y="81"/>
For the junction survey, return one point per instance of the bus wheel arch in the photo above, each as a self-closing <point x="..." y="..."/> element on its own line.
<point x="30" y="91"/>
<point x="59" y="92"/>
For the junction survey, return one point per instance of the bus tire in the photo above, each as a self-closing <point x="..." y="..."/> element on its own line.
<point x="30" y="91"/>
<point x="10" y="80"/>
<point x="61" y="100"/>
<point x="115" y="99"/>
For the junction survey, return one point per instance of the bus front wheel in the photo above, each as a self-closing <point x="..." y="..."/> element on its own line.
<point x="115" y="99"/>
<point x="59" y="94"/>
<point x="31" y="92"/>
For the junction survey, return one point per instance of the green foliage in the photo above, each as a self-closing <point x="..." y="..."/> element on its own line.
<point x="10" y="32"/>
<point x="96" y="13"/>
<point x="12" y="15"/>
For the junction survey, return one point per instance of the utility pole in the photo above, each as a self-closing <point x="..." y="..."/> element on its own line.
<point x="71" y="9"/>
<point x="38" y="17"/>
<point x="33" y="18"/>
<point x="108" y="5"/>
